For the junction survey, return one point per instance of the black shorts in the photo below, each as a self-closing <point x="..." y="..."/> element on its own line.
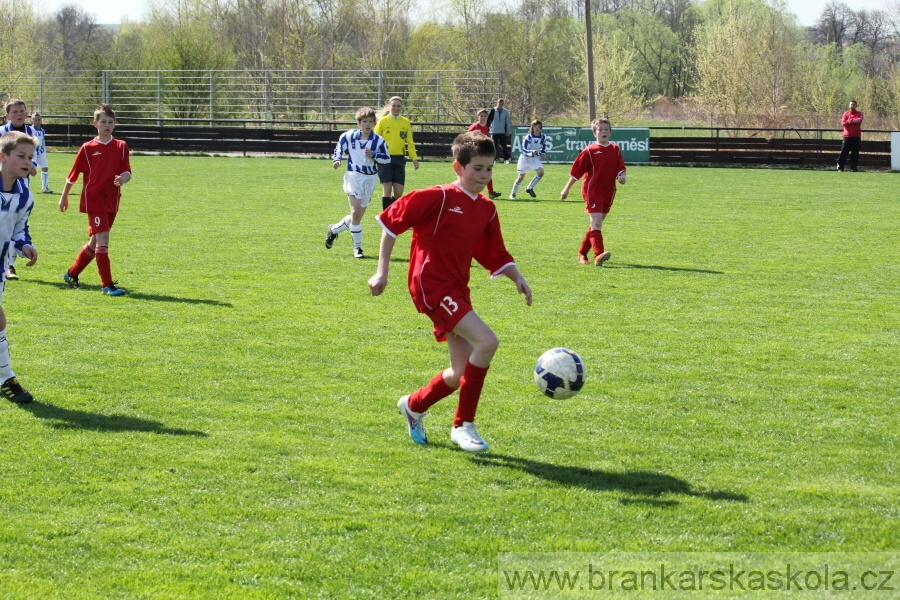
<point x="395" y="172"/>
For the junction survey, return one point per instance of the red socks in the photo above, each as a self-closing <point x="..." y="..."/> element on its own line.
<point x="424" y="398"/>
<point x="592" y="239"/>
<point x="596" y="241"/>
<point x="103" y="266"/>
<point x="585" y="243"/>
<point x="437" y="389"/>
<point x="84" y="258"/>
<point x="469" y="393"/>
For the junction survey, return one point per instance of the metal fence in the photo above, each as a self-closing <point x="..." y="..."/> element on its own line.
<point x="211" y="97"/>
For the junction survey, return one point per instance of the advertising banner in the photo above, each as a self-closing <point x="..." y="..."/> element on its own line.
<point x="564" y="143"/>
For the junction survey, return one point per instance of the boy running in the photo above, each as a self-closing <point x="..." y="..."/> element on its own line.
<point x="602" y="165"/>
<point x="452" y="224"/>
<point x="365" y="150"/>
<point x="16" y="202"/>
<point x="105" y="163"/>
<point x="481" y="126"/>
<point x="534" y="149"/>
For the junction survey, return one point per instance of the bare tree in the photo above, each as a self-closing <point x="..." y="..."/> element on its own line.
<point x="873" y="29"/>
<point x="835" y="24"/>
<point x="388" y="31"/>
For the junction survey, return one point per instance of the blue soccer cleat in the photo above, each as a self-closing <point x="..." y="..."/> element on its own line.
<point x="112" y="290"/>
<point x="413" y="423"/>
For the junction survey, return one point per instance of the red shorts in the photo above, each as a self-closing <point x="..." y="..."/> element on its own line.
<point x="100" y="222"/>
<point x="599" y="207"/>
<point x="448" y="314"/>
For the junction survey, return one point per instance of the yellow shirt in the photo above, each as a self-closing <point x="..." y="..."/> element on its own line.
<point x="398" y="134"/>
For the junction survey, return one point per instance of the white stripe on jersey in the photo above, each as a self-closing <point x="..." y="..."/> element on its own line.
<point x="29" y="130"/>
<point x="531" y="143"/>
<point x="351" y="146"/>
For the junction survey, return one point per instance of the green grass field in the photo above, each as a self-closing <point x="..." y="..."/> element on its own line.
<point x="229" y="428"/>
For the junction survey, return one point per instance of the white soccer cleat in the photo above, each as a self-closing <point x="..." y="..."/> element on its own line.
<point x="466" y="437"/>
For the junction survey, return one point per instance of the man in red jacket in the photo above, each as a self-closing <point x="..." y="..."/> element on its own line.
<point x="852" y="122"/>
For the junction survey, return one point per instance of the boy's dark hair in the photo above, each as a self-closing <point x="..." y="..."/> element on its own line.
<point x="595" y="124"/>
<point x="483" y="111"/>
<point x="366" y="112"/>
<point x="14" y="102"/>
<point x="470" y="144"/>
<point x="10" y="140"/>
<point x="535" y="122"/>
<point x="104" y="109"/>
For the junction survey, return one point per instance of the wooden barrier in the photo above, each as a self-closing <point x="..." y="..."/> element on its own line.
<point x="231" y="140"/>
<point x="763" y="152"/>
<point x="687" y="150"/>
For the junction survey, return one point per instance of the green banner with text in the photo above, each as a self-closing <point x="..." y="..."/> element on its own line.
<point x="564" y="143"/>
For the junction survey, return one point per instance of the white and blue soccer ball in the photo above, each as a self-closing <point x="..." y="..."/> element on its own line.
<point x="559" y="373"/>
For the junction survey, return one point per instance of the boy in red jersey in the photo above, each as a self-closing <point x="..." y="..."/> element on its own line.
<point x="104" y="161"/>
<point x="452" y="224"/>
<point x="482" y="127"/>
<point x="602" y="165"/>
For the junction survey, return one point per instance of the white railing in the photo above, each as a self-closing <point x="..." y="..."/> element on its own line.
<point x="207" y="96"/>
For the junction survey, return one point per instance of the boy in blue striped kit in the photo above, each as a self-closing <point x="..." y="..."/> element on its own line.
<point x="16" y="113"/>
<point x="16" y="154"/>
<point x="363" y="149"/>
<point x="534" y="149"/>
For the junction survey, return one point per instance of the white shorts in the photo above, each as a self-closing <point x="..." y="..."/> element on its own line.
<point x="360" y="186"/>
<point x="41" y="160"/>
<point x="528" y="163"/>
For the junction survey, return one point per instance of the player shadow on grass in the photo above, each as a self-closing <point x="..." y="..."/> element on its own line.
<point x="136" y="295"/>
<point x="658" y="268"/>
<point x="64" y="418"/>
<point x="158" y="298"/>
<point x="645" y="486"/>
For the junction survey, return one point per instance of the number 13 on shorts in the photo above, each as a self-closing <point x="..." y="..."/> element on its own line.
<point x="449" y="305"/>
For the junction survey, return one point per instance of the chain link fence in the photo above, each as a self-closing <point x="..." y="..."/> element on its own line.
<point x="221" y="97"/>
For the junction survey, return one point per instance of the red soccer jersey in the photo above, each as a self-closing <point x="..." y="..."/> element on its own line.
<point x="450" y="228"/>
<point x="485" y="129"/>
<point x="600" y="165"/>
<point x="100" y="163"/>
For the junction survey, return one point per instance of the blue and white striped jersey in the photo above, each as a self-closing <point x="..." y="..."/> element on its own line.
<point x="28" y="130"/>
<point x="351" y="146"/>
<point x="534" y="146"/>
<point x="42" y="142"/>
<point x="15" y="208"/>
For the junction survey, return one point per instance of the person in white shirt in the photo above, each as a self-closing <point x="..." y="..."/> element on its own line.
<point x="40" y="153"/>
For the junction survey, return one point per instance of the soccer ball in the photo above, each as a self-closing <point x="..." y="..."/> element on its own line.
<point x="559" y="373"/>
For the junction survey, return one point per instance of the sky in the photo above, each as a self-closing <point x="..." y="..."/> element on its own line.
<point x="106" y="11"/>
<point x="115" y="11"/>
<point x="808" y="11"/>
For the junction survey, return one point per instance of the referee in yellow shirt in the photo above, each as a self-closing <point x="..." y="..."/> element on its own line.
<point x="398" y="134"/>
